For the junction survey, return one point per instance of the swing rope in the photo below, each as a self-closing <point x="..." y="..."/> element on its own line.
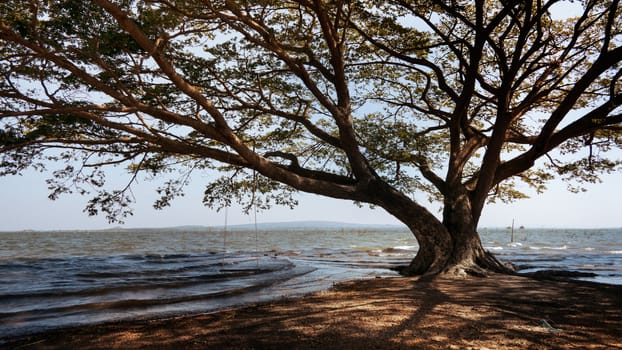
<point x="224" y="243"/>
<point x="254" y="204"/>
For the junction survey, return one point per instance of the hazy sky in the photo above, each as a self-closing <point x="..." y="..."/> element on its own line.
<point x="25" y="205"/>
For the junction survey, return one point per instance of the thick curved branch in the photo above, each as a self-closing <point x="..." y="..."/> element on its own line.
<point x="594" y="120"/>
<point x="604" y="62"/>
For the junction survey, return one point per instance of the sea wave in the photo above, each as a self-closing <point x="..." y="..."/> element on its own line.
<point x="564" y="247"/>
<point x="406" y="247"/>
<point x="86" y="281"/>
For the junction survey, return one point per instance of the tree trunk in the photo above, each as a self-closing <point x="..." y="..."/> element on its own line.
<point x="468" y="256"/>
<point x="451" y="247"/>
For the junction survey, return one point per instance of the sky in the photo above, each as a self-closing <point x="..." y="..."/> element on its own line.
<point x="24" y="206"/>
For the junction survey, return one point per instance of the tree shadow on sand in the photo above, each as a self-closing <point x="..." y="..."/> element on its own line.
<point x="500" y="312"/>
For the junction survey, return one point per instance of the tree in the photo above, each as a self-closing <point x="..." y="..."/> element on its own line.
<point x="360" y="100"/>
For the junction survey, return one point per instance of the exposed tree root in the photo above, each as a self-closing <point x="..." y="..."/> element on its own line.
<point x="482" y="266"/>
<point x="490" y="263"/>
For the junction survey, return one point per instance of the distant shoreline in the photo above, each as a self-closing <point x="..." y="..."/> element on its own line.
<point x="291" y="225"/>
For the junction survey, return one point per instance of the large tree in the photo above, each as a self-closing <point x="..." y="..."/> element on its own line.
<point x="367" y="101"/>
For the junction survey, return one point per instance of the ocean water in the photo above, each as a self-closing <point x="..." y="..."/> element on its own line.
<point x="59" y="279"/>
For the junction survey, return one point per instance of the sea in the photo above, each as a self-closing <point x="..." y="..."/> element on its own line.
<point x="58" y="279"/>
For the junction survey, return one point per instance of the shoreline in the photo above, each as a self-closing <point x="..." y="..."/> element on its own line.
<point x="498" y="312"/>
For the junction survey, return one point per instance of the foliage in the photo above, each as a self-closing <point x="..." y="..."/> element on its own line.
<point x="338" y="98"/>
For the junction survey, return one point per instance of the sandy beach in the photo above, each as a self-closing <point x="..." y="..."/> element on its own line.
<point x="498" y="312"/>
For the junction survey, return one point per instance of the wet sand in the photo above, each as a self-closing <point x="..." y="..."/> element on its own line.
<point x="498" y="312"/>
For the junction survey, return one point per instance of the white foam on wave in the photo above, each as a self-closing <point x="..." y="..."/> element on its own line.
<point x="615" y="252"/>
<point x="405" y="247"/>
<point x="494" y="248"/>
<point x="564" y="247"/>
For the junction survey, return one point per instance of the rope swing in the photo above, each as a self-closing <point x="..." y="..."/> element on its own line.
<point x="224" y="237"/>
<point x="254" y="204"/>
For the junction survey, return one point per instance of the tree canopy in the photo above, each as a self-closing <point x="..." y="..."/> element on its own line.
<point x="367" y="101"/>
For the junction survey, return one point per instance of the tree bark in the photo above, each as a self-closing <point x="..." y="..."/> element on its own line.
<point x="467" y="255"/>
<point x="451" y="247"/>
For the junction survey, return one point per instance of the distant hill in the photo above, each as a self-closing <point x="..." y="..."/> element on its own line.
<point x="286" y="226"/>
<point x="311" y="225"/>
<point x="269" y="226"/>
